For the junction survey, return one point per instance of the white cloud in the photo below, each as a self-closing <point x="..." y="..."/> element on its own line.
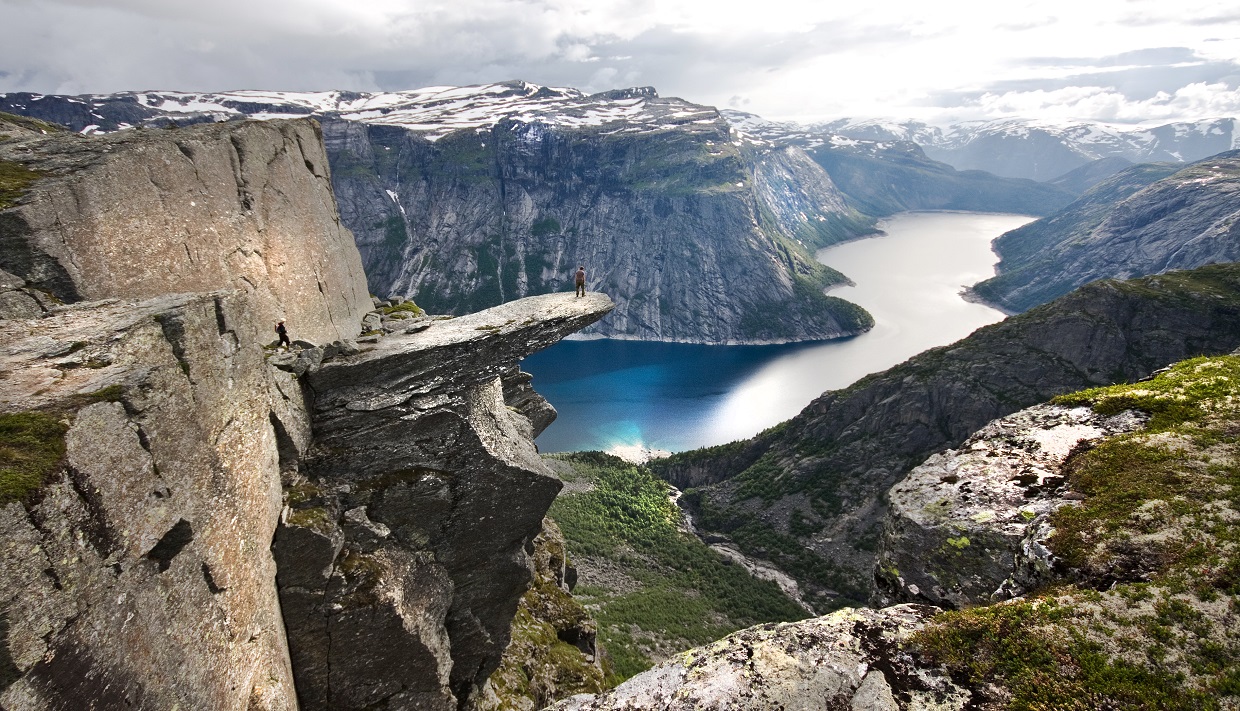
<point x="1104" y="104"/>
<point x="786" y="58"/>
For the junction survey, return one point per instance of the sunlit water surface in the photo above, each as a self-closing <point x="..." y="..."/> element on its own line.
<point x="622" y="394"/>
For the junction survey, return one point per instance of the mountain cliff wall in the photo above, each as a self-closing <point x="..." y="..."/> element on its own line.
<point x="464" y="197"/>
<point x="1147" y="219"/>
<point x="696" y="238"/>
<point x="188" y="519"/>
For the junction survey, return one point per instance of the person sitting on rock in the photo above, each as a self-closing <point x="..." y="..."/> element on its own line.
<point x="581" y="281"/>
<point x="283" y="333"/>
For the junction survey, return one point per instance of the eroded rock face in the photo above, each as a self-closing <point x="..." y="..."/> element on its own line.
<point x="851" y="659"/>
<point x="139" y="575"/>
<point x="412" y="514"/>
<point x="553" y="653"/>
<point x="970" y="525"/>
<point x="138" y="214"/>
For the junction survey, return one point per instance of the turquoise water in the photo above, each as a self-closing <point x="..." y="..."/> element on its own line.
<point x="675" y="397"/>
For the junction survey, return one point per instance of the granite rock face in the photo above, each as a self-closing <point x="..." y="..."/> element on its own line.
<point x="969" y="525"/>
<point x="405" y="548"/>
<point x="140" y="574"/>
<point x="378" y="499"/>
<point x="851" y="659"/>
<point x="697" y="237"/>
<point x="138" y="214"/>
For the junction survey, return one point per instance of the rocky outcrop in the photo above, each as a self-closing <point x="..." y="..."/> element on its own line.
<point x="142" y="213"/>
<point x="174" y="496"/>
<point x="970" y="525"/>
<point x="404" y="550"/>
<point x="1147" y="219"/>
<point x="136" y="572"/>
<point x="554" y="652"/>
<point x="807" y="495"/>
<point x="852" y="659"/>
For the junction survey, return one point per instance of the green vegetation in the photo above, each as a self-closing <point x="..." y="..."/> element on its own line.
<point x="1156" y="534"/>
<point x="545" y="227"/>
<point x="32" y="445"/>
<point x="404" y="307"/>
<point x="672" y="592"/>
<point x="15" y="179"/>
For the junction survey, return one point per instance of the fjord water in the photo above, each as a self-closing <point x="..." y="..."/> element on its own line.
<point x="612" y="394"/>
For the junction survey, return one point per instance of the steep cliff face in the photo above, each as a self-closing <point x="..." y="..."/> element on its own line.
<point x="405" y="549"/>
<point x="808" y="494"/>
<point x="1145" y="220"/>
<point x="175" y="496"/>
<point x="143" y="213"/>
<point x="696" y="238"/>
<point x="136" y="569"/>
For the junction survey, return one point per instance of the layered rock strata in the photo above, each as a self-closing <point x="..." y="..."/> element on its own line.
<point x="970" y="524"/>
<point x="405" y="548"/>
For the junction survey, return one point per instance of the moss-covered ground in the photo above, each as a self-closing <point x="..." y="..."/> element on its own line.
<point x="667" y="591"/>
<point x="15" y="178"/>
<point x="32" y="445"/>
<point x="1149" y="618"/>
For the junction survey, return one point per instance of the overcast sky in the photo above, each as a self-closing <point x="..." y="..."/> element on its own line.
<point x="1110" y="60"/>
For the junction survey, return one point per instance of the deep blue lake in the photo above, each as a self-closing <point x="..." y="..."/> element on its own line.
<point x="618" y="394"/>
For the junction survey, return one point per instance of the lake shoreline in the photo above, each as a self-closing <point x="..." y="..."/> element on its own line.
<point x="627" y="394"/>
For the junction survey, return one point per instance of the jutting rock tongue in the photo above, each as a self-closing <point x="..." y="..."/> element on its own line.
<point x="405" y="548"/>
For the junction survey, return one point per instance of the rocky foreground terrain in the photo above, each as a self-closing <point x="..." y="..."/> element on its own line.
<point x="193" y="518"/>
<point x="1087" y="546"/>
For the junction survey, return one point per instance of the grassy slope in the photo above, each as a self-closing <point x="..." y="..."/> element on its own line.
<point x="668" y="591"/>
<point x="817" y="479"/>
<point x="1153" y="553"/>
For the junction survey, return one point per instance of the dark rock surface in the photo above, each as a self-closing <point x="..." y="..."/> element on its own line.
<point x="411" y="516"/>
<point x="1148" y="219"/>
<point x="828" y="467"/>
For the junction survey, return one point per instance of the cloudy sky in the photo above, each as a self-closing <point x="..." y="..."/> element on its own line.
<point x="1110" y="60"/>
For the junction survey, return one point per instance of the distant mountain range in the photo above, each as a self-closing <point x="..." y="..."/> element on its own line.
<point x="1014" y="148"/>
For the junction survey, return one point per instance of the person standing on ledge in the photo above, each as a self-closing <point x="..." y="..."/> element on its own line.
<point x="283" y="333"/>
<point x="581" y="281"/>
